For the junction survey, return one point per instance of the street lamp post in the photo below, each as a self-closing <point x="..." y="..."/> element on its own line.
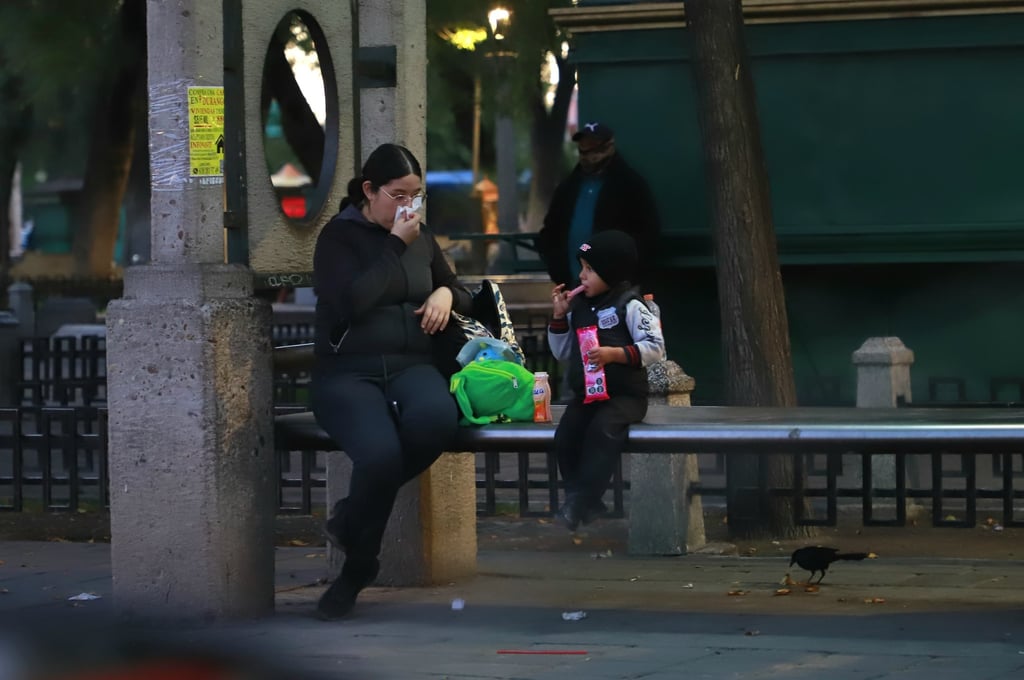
<point x="500" y="20"/>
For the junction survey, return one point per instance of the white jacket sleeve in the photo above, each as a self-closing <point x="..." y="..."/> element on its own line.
<point x="561" y="342"/>
<point x="645" y="328"/>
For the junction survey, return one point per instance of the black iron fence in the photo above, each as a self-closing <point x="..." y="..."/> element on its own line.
<point x="54" y="459"/>
<point x="53" y="453"/>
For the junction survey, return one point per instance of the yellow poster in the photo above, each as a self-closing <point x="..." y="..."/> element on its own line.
<point x="206" y="132"/>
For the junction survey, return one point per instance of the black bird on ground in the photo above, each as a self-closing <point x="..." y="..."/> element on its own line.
<point x="816" y="558"/>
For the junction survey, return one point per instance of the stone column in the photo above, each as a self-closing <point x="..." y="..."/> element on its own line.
<point x="19" y="299"/>
<point x="188" y="373"/>
<point x="431" y="537"/>
<point x="883" y="377"/>
<point x="662" y="520"/>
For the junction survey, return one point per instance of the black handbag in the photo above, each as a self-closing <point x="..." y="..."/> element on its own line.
<point x="489" y="319"/>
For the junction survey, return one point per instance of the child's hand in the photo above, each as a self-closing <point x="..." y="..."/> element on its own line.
<point x="559" y="302"/>
<point x="598" y="357"/>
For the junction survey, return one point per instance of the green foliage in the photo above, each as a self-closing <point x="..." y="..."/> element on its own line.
<point x="58" y="51"/>
<point x="55" y="45"/>
<point x="512" y="64"/>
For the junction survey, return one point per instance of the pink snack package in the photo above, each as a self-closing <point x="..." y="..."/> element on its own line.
<point x="594" y="383"/>
<point x="574" y="292"/>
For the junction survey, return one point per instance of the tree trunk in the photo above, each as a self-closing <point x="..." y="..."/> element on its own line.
<point x="547" y="143"/>
<point x="755" y="331"/>
<point x="98" y="212"/>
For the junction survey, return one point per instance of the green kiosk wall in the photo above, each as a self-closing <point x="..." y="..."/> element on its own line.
<point x="895" y="150"/>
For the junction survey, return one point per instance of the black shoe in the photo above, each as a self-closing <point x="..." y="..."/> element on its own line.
<point x="338" y="600"/>
<point x="571" y="513"/>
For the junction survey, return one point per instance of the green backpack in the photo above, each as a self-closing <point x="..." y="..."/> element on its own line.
<point x="493" y="390"/>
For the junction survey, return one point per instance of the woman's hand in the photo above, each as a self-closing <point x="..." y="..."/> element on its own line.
<point x="407" y="226"/>
<point x="436" y="310"/>
<point x="559" y="302"/>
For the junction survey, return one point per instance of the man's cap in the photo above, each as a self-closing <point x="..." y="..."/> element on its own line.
<point x="612" y="254"/>
<point x="594" y="130"/>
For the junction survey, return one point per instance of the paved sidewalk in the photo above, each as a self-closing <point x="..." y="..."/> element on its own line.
<point x="646" y="618"/>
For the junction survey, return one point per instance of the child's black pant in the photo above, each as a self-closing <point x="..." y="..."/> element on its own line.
<point x="589" y="440"/>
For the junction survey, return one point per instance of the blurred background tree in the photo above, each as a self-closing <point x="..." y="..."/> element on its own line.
<point x="461" y="51"/>
<point x="76" y="70"/>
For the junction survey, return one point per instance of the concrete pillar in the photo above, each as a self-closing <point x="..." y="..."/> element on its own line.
<point x="395" y="114"/>
<point x="662" y="520"/>
<point x="19" y="299"/>
<point x="431" y="537"/>
<point x="883" y="377"/>
<point x="188" y="373"/>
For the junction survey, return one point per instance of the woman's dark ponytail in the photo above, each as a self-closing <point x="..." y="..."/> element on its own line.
<point x="355" y="194"/>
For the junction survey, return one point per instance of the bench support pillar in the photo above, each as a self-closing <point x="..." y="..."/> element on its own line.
<point x="431" y="537"/>
<point x="663" y="518"/>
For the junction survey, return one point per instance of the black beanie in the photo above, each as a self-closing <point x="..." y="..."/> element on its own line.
<point x="612" y="254"/>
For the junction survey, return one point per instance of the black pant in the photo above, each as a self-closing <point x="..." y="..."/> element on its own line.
<point x="387" y="446"/>
<point x="589" y="440"/>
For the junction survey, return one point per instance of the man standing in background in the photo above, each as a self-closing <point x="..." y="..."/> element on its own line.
<point x="602" y="192"/>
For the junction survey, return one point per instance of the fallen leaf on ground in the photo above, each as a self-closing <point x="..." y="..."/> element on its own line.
<point x="298" y="543"/>
<point x="782" y="591"/>
<point x="872" y="556"/>
<point x="736" y="593"/>
<point x="875" y="600"/>
<point x="811" y="589"/>
<point x="788" y="581"/>
<point x="576" y="540"/>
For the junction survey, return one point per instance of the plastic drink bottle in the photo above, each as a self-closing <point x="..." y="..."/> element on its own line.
<point x="541" y="398"/>
<point x="652" y="305"/>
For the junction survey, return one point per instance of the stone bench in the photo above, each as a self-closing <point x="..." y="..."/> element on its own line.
<point x="432" y="534"/>
<point x="432" y="537"/>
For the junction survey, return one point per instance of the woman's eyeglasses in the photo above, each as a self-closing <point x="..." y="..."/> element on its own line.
<point x="414" y="201"/>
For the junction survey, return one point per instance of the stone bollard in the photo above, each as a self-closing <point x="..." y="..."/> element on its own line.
<point x="883" y="372"/>
<point x="663" y="520"/>
<point x="19" y="299"/>
<point x="883" y="378"/>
